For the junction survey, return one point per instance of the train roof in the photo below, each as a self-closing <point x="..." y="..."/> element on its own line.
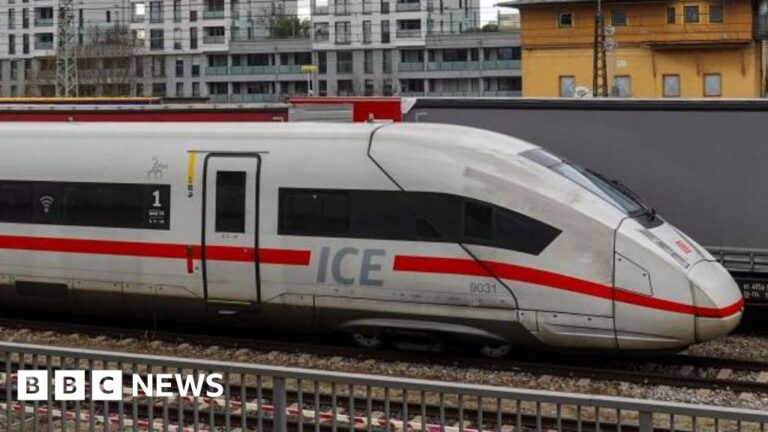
<point x="413" y="134"/>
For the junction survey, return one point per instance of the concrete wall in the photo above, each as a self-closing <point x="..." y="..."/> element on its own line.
<point x="703" y="165"/>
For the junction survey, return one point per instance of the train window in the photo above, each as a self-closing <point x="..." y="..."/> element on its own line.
<point x="478" y="220"/>
<point x="102" y="205"/>
<point x="230" y="201"/>
<point x="86" y="204"/>
<point x="409" y="216"/>
<point x="314" y="212"/>
<point x="518" y="232"/>
<point x="15" y="203"/>
<point x="382" y="214"/>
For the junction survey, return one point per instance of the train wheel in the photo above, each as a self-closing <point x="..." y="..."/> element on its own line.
<point x="495" y="351"/>
<point x="368" y="341"/>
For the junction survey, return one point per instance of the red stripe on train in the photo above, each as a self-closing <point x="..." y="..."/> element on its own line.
<point x="154" y="250"/>
<point x="467" y="267"/>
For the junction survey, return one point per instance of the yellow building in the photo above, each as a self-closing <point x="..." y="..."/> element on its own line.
<point x="672" y="48"/>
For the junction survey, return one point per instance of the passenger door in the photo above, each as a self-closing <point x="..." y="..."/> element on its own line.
<point x="230" y="228"/>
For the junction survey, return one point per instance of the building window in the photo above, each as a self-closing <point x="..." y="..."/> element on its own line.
<point x="565" y="20"/>
<point x="715" y="12"/>
<point x="368" y="62"/>
<point x="691" y="14"/>
<point x="344" y="62"/>
<point x="321" y="32"/>
<point x="621" y="86"/>
<point x="343" y="33"/>
<point x="179" y="89"/>
<point x="671" y="15"/>
<point x="671" y="85"/>
<point x="195" y="89"/>
<point x="712" y="85"/>
<point x="322" y="62"/>
<point x="367" y="32"/>
<point x="179" y="68"/>
<point x="567" y="86"/>
<point x="385" y="31"/>
<point x="386" y="61"/>
<point x="618" y="17"/>
<point x="156" y="39"/>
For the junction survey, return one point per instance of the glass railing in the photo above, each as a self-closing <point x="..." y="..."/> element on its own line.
<point x="501" y="64"/>
<point x="213" y="14"/>
<point x="408" y="33"/>
<point x="408" y="6"/>
<point x="453" y="66"/>
<point x="290" y="69"/>
<point x="254" y="97"/>
<point x="43" y="22"/>
<point x="252" y="70"/>
<point x="216" y="70"/>
<point x="410" y="67"/>
<point x="43" y="45"/>
<point x="213" y="40"/>
<point x="218" y="98"/>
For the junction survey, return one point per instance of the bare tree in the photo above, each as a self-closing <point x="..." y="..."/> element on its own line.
<point x="281" y="25"/>
<point x="106" y="61"/>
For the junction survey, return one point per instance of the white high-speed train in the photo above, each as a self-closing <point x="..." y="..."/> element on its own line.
<point x="382" y="231"/>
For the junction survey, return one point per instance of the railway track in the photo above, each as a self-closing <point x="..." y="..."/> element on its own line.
<point x="688" y="371"/>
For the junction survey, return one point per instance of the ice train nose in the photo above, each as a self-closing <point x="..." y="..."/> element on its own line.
<point x="717" y="299"/>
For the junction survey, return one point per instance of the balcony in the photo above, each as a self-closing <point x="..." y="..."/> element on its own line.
<point x="410" y="67"/>
<point x="501" y="64"/>
<point x="214" y="40"/>
<point x="320" y="10"/>
<point x="453" y="66"/>
<point x="290" y="69"/>
<point x="408" y="33"/>
<point x="218" y="98"/>
<point x="252" y="70"/>
<point x="213" y="14"/>
<point x="43" y="22"/>
<point x="156" y="18"/>
<point x="254" y="97"/>
<point x="407" y="6"/>
<point x="367" y="7"/>
<point x="43" y="45"/>
<point x="503" y="93"/>
<point x="216" y="70"/>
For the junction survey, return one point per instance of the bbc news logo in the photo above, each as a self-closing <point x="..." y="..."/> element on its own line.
<point x="107" y="385"/>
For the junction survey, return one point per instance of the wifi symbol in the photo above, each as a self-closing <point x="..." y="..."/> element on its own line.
<point x="47" y="202"/>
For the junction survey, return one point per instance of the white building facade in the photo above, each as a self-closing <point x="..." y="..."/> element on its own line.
<point x="257" y="51"/>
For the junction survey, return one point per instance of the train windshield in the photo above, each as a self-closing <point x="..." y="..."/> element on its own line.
<point x="611" y="191"/>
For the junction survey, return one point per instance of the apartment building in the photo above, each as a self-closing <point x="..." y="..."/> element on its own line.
<point x="257" y="51"/>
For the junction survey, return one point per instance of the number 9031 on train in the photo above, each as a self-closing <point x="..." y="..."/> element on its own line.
<point x="381" y="231"/>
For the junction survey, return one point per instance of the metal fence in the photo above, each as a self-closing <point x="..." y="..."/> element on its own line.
<point x="268" y="398"/>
